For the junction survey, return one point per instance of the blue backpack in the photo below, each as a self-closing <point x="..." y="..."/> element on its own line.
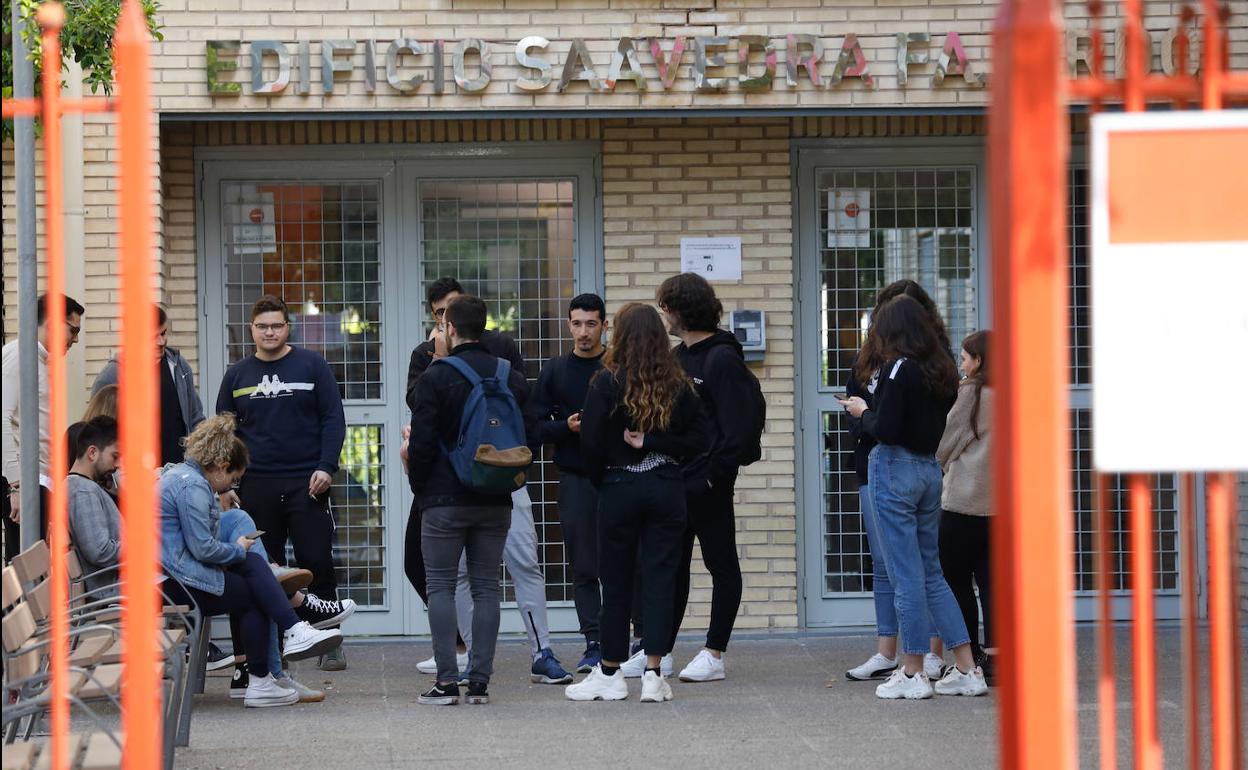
<point x="491" y="456"/>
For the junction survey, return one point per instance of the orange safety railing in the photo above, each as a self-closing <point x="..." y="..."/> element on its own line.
<point x="140" y="563"/>
<point x="1032" y="546"/>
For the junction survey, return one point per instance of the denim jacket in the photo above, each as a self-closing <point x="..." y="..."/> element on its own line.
<point x="189" y="520"/>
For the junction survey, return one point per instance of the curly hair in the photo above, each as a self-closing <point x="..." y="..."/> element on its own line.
<point x="213" y="444"/>
<point x="690" y="298"/>
<point x="641" y="360"/>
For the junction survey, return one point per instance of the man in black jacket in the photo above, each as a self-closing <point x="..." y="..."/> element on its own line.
<point x="455" y="519"/>
<point x="520" y="553"/>
<point x="556" y="406"/>
<point x="713" y="359"/>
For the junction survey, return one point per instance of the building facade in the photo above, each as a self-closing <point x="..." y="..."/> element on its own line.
<point x="535" y="149"/>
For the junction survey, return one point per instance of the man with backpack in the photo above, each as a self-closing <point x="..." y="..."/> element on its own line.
<point x="730" y="393"/>
<point x="467" y="453"/>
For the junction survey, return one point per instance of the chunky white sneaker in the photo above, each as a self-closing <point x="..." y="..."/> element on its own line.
<point x="933" y="666"/>
<point x="635" y="666"/>
<point x="876" y="667"/>
<point x="303" y="641"/>
<point x="598" y="686"/>
<point x="306" y="694"/>
<point x="430" y="666"/>
<point x="264" y="692"/>
<point x="704" y="667"/>
<point x="654" y="688"/>
<point x="901" y="686"/>
<point x="957" y="683"/>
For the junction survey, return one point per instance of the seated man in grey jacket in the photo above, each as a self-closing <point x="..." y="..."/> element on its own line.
<point x="94" y="521"/>
<point x="180" y="407"/>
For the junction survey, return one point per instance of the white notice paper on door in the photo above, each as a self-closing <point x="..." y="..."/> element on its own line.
<point x="715" y="259"/>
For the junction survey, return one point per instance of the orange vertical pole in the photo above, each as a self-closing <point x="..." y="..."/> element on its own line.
<point x="1191" y="612"/>
<point x="1032" y="560"/>
<point x="1214" y="59"/>
<point x="1224" y="646"/>
<point x="141" y="694"/>
<point x="1143" y="626"/>
<point x="1106" y="688"/>
<point x="51" y="18"/>
<point x="1137" y="56"/>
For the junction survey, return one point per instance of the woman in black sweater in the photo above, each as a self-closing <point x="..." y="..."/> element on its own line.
<point x="917" y="385"/>
<point x="641" y="420"/>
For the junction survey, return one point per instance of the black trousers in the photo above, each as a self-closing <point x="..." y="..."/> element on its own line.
<point x="578" y="517"/>
<point x="641" y="520"/>
<point x="283" y="508"/>
<point x="414" y="561"/>
<point x="964" y="555"/>
<point x="13" y="529"/>
<point x="713" y="521"/>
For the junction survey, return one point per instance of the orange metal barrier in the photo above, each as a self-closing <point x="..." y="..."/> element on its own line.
<point x="140" y="563"/>
<point x="1028" y="147"/>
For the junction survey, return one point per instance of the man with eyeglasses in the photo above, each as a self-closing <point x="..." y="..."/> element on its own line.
<point x="11" y="427"/>
<point x="520" y="552"/>
<point x="290" y="417"/>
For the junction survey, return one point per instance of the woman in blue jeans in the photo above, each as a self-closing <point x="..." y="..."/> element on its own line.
<point x="917" y="385"/>
<point x="226" y="578"/>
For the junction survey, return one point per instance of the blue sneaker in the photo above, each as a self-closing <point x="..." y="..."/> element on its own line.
<point x="546" y="670"/>
<point x="591" y="658"/>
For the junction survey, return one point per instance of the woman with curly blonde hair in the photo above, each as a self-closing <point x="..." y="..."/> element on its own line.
<point x="641" y="420"/>
<point x="229" y="578"/>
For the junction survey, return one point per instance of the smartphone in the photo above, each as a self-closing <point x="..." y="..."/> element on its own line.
<point x="255" y="535"/>
<point x="840" y="396"/>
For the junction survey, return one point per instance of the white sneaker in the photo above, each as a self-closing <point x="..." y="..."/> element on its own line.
<point x="877" y="667"/>
<point x="654" y="688"/>
<point x="704" y="667"/>
<point x="635" y="666"/>
<point x="306" y="694"/>
<point x="430" y="666"/>
<point x="303" y="641"/>
<point x="957" y="683"/>
<point x="598" y="686"/>
<point x="901" y="686"/>
<point x="933" y="666"/>
<point x="264" y="692"/>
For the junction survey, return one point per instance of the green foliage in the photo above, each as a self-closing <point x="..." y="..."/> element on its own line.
<point x="87" y="37"/>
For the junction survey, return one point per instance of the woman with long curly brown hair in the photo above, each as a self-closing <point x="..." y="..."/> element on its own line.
<point x="641" y="420"/>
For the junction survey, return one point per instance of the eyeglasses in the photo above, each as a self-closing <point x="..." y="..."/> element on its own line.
<point x="262" y="328"/>
<point x="73" y="330"/>
<point x="438" y="313"/>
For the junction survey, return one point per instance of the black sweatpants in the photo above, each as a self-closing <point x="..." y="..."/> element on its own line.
<point x="414" y="561"/>
<point x="964" y="555"/>
<point x="641" y="520"/>
<point x="578" y="517"/>
<point x="713" y="521"/>
<point x="283" y="508"/>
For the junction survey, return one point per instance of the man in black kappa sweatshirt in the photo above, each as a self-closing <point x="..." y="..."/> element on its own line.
<point x="555" y="406"/>
<point x="713" y="359"/>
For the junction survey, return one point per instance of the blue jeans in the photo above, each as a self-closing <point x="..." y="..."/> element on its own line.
<point x="882" y="588"/>
<point x="234" y="524"/>
<point x="905" y="492"/>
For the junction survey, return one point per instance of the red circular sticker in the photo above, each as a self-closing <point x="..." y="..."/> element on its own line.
<point x="851" y="209"/>
<point x="256" y="216"/>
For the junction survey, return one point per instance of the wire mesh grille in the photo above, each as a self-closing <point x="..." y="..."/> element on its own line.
<point x="512" y="243"/>
<point x="876" y="226"/>
<point x="317" y="245"/>
<point x="1080" y="308"/>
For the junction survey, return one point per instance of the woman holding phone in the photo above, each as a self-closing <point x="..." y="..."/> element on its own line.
<point x="227" y="578"/>
<point x="916" y="387"/>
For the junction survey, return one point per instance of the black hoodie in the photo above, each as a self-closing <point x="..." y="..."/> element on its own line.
<point x="717" y="367"/>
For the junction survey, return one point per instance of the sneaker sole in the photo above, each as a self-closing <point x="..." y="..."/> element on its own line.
<point x="585" y="669"/>
<point x="446" y="701"/>
<point x="881" y="674"/>
<point x="478" y="700"/>
<point x="328" y="644"/>
<point x="660" y="699"/>
<point x="336" y="620"/>
<point x="597" y="698"/>
<point x="965" y="693"/>
<point x="295" y="581"/>
<point x="228" y="660"/>
<point x="711" y="678"/>
<point x="238" y="694"/>
<point x="332" y="665"/>
<point x="264" y="703"/>
<point x="904" y="696"/>
<point x="543" y="679"/>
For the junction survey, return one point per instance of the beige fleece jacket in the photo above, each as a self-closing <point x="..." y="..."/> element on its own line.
<point x="964" y="458"/>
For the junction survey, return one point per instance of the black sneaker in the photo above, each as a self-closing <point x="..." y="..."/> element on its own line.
<point x="440" y="695"/>
<point x="324" y="613"/>
<point x="477" y="693"/>
<point x="218" y="658"/>
<point x="238" y="685"/>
